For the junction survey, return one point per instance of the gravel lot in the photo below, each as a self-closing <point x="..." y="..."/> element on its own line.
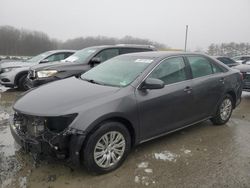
<point x="200" y="156"/>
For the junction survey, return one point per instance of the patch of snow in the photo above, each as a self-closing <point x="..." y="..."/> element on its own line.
<point x="145" y="180"/>
<point x="186" y="151"/>
<point x="166" y="156"/>
<point x="4" y="116"/>
<point x="148" y="170"/>
<point x="22" y="182"/>
<point x="143" y="165"/>
<point x="3" y="89"/>
<point x="137" y="179"/>
<point x="6" y="183"/>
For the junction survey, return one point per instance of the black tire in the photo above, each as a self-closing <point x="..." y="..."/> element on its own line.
<point x="21" y="83"/>
<point x="89" y="147"/>
<point x="218" y="118"/>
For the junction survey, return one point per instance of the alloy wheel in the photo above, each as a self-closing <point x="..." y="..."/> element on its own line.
<point x="225" y="109"/>
<point x="109" y="149"/>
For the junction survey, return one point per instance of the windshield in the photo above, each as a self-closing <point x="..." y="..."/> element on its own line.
<point x="81" y="56"/>
<point x="39" y="57"/>
<point x="118" y="71"/>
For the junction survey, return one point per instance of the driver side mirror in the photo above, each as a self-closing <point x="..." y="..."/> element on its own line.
<point x="44" y="61"/>
<point x="152" y="83"/>
<point x="95" y="60"/>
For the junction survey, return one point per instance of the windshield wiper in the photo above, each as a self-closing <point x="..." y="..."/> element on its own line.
<point x="93" y="81"/>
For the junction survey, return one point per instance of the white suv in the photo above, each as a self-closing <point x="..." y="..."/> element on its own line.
<point x="13" y="74"/>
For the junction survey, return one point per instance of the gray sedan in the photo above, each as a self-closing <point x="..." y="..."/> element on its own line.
<point x="97" y="118"/>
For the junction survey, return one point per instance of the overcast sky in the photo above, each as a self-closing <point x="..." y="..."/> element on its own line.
<point x="164" y="21"/>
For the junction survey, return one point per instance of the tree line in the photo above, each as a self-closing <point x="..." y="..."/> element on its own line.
<point x="20" y="42"/>
<point x="23" y="42"/>
<point x="229" y="49"/>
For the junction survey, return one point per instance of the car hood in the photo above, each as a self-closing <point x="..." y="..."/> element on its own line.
<point x="243" y="68"/>
<point x="59" y="97"/>
<point x="45" y="65"/>
<point x="54" y="66"/>
<point x="16" y="64"/>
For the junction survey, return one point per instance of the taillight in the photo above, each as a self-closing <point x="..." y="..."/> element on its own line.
<point x="243" y="75"/>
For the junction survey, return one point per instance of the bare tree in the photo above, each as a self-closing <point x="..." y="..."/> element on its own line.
<point x="229" y="49"/>
<point x="24" y="42"/>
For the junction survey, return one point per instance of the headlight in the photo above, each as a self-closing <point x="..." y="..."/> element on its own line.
<point x="46" y="73"/>
<point x="8" y="69"/>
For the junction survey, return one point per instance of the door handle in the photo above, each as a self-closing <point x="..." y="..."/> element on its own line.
<point x="222" y="80"/>
<point x="188" y="89"/>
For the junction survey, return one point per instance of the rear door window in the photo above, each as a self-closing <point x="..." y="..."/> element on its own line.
<point x="200" y="66"/>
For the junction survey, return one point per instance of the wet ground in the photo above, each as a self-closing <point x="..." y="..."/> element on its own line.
<point x="200" y="156"/>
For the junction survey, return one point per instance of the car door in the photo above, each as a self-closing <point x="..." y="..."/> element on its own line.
<point x="207" y="85"/>
<point x="165" y="109"/>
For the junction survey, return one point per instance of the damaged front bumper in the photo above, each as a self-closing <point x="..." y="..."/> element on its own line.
<point x="64" y="145"/>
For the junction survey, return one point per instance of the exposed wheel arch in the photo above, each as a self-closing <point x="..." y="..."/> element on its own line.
<point x="122" y="120"/>
<point x="233" y="95"/>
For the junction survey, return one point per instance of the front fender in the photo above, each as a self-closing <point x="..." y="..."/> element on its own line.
<point x="19" y="74"/>
<point x="124" y="109"/>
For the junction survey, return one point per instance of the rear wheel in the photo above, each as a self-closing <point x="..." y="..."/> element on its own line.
<point x="22" y="83"/>
<point x="224" y="111"/>
<point x="107" y="148"/>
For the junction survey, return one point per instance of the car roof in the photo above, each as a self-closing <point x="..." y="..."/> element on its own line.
<point x="123" y="46"/>
<point x="220" y="56"/>
<point x="57" y="51"/>
<point x="162" y="54"/>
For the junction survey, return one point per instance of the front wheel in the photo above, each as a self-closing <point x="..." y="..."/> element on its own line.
<point x="107" y="148"/>
<point x="22" y="83"/>
<point x="224" y="111"/>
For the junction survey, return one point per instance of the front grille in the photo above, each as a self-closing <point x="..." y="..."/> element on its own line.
<point x="36" y="126"/>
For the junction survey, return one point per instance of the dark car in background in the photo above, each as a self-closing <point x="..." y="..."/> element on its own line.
<point x="123" y="102"/>
<point x="242" y="59"/>
<point x="14" y="74"/>
<point x="80" y="62"/>
<point x="245" y="71"/>
<point x="227" y="61"/>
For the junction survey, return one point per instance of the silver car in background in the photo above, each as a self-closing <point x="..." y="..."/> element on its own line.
<point x="13" y="74"/>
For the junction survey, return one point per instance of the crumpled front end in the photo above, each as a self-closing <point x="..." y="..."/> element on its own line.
<point x="48" y="136"/>
<point x="33" y="81"/>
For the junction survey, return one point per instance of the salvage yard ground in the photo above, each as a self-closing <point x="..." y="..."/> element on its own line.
<point x="200" y="156"/>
